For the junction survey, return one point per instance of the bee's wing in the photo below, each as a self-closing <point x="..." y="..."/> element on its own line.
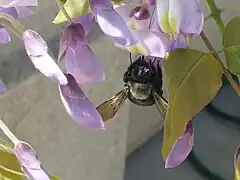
<point x="161" y="104"/>
<point x="109" y="108"/>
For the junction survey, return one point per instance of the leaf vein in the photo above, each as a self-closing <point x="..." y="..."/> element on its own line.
<point x="187" y="76"/>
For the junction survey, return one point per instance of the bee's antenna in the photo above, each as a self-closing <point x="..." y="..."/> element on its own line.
<point x="130" y="58"/>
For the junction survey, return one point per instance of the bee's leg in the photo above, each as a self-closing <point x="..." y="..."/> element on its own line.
<point x="130" y="57"/>
<point x="157" y="82"/>
<point x="154" y="60"/>
<point x="126" y="76"/>
<point x="151" y="63"/>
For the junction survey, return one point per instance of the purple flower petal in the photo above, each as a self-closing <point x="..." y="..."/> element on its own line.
<point x="134" y="24"/>
<point x="4" y="36"/>
<point x="86" y="21"/>
<point x="24" y="11"/>
<point x="111" y="23"/>
<point x="181" y="148"/>
<point x="183" y="17"/>
<point x="83" y="64"/>
<point x="12" y="11"/>
<point x="80" y="60"/>
<point x="3" y="87"/>
<point x="179" y="42"/>
<point x="154" y="24"/>
<point x="100" y="4"/>
<point x="157" y="43"/>
<point x="190" y="15"/>
<point x="72" y="34"/>
<point x="14" y="3"/>
<point x="30" y="164"/>
<point x="34" y="43"/>
<point x="16" y="12"/>
<point x="81" y="110"/>
<point x="150" y="2"/>
<point x="37" y="50"/>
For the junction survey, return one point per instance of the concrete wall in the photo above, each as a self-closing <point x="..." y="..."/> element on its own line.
<point x="33" y="111"/>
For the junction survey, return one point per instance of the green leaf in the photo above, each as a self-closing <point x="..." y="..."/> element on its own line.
<point x="193" y="80"/>
<point x="10" y="168"/>
<point x="231" y="43"/>
<point x="6" y="146"/>
<point x="117" y="1"/>
<point x="74" y="8"/>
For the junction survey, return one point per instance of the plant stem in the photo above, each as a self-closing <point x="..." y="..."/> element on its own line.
<point x="10" y="28"/>
<point x="215" y="14"/>
<point x="225" y="71"/>
<point x="207" y="43"/>
<point x="17" y="25"/>
<point x="60" y="4"/>
<point x="220" y="51"/>
<point x="231" y="8"/>
<point x="8" y="133"/>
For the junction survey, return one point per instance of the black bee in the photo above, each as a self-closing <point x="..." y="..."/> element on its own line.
<point x="143" y="86"/>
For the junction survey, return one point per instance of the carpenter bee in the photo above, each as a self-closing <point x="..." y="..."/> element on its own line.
<point x="143" y="86"/>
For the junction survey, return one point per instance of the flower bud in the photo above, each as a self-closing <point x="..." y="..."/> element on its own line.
<point x="140" y="13"/>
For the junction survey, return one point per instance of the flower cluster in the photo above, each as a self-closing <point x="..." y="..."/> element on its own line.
<point x="150" y="28"/>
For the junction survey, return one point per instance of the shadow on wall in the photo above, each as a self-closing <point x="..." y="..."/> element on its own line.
<point x="144" y="122"/>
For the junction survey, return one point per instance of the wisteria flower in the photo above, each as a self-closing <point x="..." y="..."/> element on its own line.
<point x="150" y="42"/>
<point x="18" y="3"/>
<point x="29" y="161"/>
<point x="3" y="87"/>
<point x="86" y="21"/>
<point x="183" y="17"/>
<point x="149" y="3"/>
<point x="80" y="60"/>
<point x="37" y="50"/>
<point x="73" y="98"/>
<point x="78" y="106"/>
<point x="26" y="156"/>
<point x="111" y="22"/>
<point x="181" y="148"/>
<point x="16" y="9"/>
<point x="129" y="16"/>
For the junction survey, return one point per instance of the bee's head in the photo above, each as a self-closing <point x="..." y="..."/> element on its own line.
<point x="139" y="72"/>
